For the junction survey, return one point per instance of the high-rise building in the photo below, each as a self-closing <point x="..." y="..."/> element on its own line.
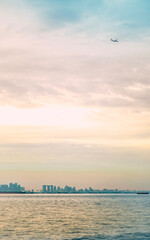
<point x="44" y="188"/>
<point x="52" y="188"/>
<point x="48" y="188"/>
<point x="4" y="188"/>
<point x="13" y="187"/>
<point x="67" y="189"/>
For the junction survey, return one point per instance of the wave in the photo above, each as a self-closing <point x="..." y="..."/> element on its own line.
<point x="127" y="236"/>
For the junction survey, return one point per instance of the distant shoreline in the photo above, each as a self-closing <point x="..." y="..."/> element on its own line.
<point x="37" y="193"/>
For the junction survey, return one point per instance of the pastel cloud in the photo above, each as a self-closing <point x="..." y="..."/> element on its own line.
<point x="60" y="71"/>
<point x="52" y="55"/>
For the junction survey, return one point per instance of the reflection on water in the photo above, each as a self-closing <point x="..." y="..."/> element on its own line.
<point x="68" y="217"/>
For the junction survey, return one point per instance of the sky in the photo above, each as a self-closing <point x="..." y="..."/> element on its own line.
<point x="74" y="106"/>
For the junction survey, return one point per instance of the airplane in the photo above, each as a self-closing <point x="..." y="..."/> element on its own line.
<point x="114" y="40"/>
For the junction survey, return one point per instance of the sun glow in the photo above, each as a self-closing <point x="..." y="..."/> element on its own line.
<point x="53" y="115"/>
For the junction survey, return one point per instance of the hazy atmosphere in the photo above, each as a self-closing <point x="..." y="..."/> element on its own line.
<point x="75" y="106"/>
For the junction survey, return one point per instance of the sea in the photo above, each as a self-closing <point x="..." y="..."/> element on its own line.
<point x="74" y="217"/>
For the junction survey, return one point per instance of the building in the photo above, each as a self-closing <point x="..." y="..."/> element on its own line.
<point x="44" y="188"/>
<point x="13" y="187"/>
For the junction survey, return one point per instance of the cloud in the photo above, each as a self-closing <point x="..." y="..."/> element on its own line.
<point x="61" y="53"/>
<point x="69" y="97"/>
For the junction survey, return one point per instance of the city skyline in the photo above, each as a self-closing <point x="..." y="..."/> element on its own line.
<point x="74" y="106"/>
<point x="53" y="189"/>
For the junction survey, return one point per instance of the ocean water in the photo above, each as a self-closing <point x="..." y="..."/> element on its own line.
<point x="74" y="217"/>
